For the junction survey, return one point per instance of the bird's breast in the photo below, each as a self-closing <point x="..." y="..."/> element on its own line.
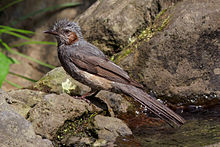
<point x="91" y="80"/>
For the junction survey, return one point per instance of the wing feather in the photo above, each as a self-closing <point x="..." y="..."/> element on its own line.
<point x="102" y="67"/>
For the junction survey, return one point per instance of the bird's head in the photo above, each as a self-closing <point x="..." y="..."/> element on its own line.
<point x="66" y="32"/>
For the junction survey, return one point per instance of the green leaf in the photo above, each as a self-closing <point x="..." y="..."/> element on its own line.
<point x="25" y="56"/>
<point x="4" y="67"/>
<point x="13" y="84"/>
<point x="34" y="42"/>
<point x="21" y="76"/>
<point x="16" y="35"/>
<point x="32" y="59"/>
<point x="7" y="28"/>
<point x="5" y="45"/>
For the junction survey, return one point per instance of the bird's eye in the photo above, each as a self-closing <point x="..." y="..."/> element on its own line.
<point x="66" y="31"/>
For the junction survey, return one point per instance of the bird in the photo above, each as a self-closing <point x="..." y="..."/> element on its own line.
<point x="87" y="64"/>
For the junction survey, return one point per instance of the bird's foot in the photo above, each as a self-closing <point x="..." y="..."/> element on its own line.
<point x="83" y="98"/>
<point x="88" y="95"/>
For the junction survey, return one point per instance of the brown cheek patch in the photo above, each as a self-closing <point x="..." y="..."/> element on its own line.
<point x="72" y="38"/>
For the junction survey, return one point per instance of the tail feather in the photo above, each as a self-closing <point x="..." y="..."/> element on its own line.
<point x="153" y="105"/>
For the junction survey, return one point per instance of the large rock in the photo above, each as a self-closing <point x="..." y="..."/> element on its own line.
<point x="110" y="128"/>
<point x="115" y="102"/>
<point x="109" y="31"/>
<point x="22" y="100"/>
<point x="51" y="113"/>
<point x="58" y="81"/>
<point x="95" y="130"/>
<point x="183" y="60"/>
<point x="15" y="130"/>
<point x="64" y="119"/>
<point x="112" y="31"/>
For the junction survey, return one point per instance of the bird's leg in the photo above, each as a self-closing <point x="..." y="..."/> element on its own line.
<point x="91" y="93"/>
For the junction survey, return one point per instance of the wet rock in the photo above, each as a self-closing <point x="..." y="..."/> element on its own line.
<point x="182" y="59"/>
<point x="16" y="130"/>
<point x="109" y="128"/>
<point x="58" y="81"/>
<point x="51" y="113"/>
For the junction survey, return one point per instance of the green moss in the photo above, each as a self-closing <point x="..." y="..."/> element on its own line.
<point x="164" y="24"/>
<point x="57" y="81"/>
<point x="160" y="22"/>
<point x="80" y="127"/>
<point x="161" y="13"/>
<point x="122" y="55"/>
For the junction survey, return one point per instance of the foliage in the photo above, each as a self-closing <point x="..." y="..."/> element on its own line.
<point x="5" y="61"/>
<point x="4" y="66"/>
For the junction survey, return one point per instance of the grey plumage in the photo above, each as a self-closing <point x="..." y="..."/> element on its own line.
<point x="65" y="23"/>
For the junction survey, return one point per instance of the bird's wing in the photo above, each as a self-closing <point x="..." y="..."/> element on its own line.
<point x="102" y="67"/>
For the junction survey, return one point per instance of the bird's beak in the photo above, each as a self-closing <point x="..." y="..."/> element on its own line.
<point x="50" y="32"/>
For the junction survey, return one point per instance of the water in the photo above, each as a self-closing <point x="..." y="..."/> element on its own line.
<point x="202" y="128"/>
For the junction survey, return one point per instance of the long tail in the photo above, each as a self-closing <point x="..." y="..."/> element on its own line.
<point x="153" y="105"/>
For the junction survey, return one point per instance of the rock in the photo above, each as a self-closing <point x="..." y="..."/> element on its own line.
<point x="100" y="142"/>
<point x="213" y="145"/>
<point x="16" y="130"/>
<point x="58" y="81"/>
<point x="51" y="113"/>
<point x="181" y="61"/>
<point x="22" y="100"/>
<point x="85" y="140"/>
<point x="91" y="129"/>
<point x="112" y="31"/>
<point x="116" y="102"/>
<point x="72" y="140"/>
<point x="109" y="128"/>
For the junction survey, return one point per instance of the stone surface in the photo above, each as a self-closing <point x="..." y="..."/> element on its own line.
<point x="22" y="100"/>
<point x="213" y="145"/>
<point x="51" y="113"/>
<point x="16" y="130"/>
<point x="58" y="81"/>
<point x="111" y="31"/>
<point x="116" y="102"/>
<point x="109" y="128"/>
<point x="182" y="60"/>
